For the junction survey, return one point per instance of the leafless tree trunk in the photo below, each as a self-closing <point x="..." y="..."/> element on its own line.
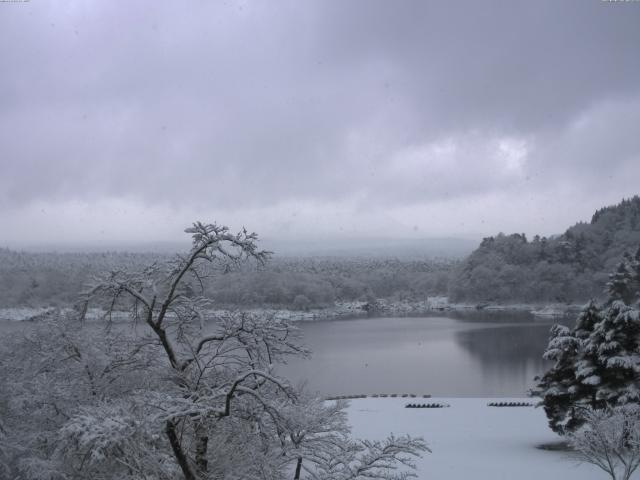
<point x="202" y="442"/>
<point x="178" y="452"/>
<point x="298" y="469"/>
<point x="211" y="243"/>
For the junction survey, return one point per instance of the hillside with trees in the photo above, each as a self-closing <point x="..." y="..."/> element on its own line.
<point x="570" y="267"/>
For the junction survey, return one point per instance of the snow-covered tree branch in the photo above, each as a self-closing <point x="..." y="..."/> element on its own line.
<point x="180" y="393"/>
<point x="610" y="439"/>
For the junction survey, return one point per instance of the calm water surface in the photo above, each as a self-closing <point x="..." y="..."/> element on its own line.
<point x="471" y="354"/>
<point x="455" y="355"/>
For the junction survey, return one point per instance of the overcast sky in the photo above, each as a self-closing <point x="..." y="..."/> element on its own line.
<point x="125" y="121"/>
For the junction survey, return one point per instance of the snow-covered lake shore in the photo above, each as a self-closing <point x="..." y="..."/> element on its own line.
<point x="345" y="310"/>
<point x="472" y="441"/>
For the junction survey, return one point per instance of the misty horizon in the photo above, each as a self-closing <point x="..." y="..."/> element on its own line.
<point x="124" y="123"/>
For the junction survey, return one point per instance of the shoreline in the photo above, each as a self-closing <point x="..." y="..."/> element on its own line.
<point x="431" y="306"/>
<point x="340" y="310"/>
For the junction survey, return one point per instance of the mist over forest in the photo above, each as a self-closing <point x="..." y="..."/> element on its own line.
<point x="506" y="268"/>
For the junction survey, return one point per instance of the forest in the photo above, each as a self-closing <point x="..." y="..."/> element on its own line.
<point x="568" y="268"/>
<point x="54" y="279"/>
<point x="572" y="267"/>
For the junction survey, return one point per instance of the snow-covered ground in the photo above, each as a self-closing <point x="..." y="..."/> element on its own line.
<point x="471" y="441"/>
<point x="337" y="310"/>
<point x="19" y="314"/>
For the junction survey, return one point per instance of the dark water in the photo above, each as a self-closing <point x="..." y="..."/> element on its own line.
<point x="455" y="355"/>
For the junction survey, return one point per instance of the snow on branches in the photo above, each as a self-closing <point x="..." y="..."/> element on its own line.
<point x="597" y="363"/>
<point x="610" y="439"/>
<point x="186" y="393"/>
<point x="365" y="459"/>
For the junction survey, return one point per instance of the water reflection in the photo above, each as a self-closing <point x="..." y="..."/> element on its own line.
<point x="509" y="356"/>
<point x="458" y="355"/>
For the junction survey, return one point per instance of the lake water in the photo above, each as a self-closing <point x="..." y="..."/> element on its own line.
<point x="483" y="354"/>
<point x="453" y="354"/>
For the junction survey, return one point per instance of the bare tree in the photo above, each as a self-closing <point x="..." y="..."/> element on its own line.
<point x="184" y="394"/>
<point x="366" y="459"/>
<point x="323" y="449"/>
<point x="52" y="373"/>
<point x="312" y="425"/>
<point x="211" y="371"/>
<point x="610" y="439"/>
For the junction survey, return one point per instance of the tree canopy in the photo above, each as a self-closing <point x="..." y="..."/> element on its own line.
<point x="597" y="362"/>
<point x="569" y="267"/>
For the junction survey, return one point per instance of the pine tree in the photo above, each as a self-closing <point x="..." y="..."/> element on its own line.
<point x="597" y="363"/>
<point x="615" y="343"/>
<point x="634" y="268"/>
<point x="587" y="369"/>
<point x="567" y="386"/>
<point x="624" y="283"/>
<point x="556" y="386"/>
<point x="619" y="286"/>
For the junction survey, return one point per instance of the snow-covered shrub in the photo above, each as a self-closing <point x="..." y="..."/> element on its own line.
<point x="610" y="439"/>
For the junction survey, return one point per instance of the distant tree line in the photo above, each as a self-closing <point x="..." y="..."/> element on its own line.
<point x="570" y="267"/>
<point x="319" y="282"/>
<point x="53" y="279"/>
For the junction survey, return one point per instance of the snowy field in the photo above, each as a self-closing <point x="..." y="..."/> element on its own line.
<point x="471" y="441"/>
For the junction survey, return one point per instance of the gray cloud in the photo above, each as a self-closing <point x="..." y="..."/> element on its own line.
<point x="352" y="110"/>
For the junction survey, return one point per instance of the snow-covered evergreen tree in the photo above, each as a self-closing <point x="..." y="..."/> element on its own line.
<point x="597" y="363"/>
<point x="615" y="345"/>
<point x="587" y="369"/>
<point x="558" y="386"/>
<point x="624" y="283"/>
<point x="620" y="284"/>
